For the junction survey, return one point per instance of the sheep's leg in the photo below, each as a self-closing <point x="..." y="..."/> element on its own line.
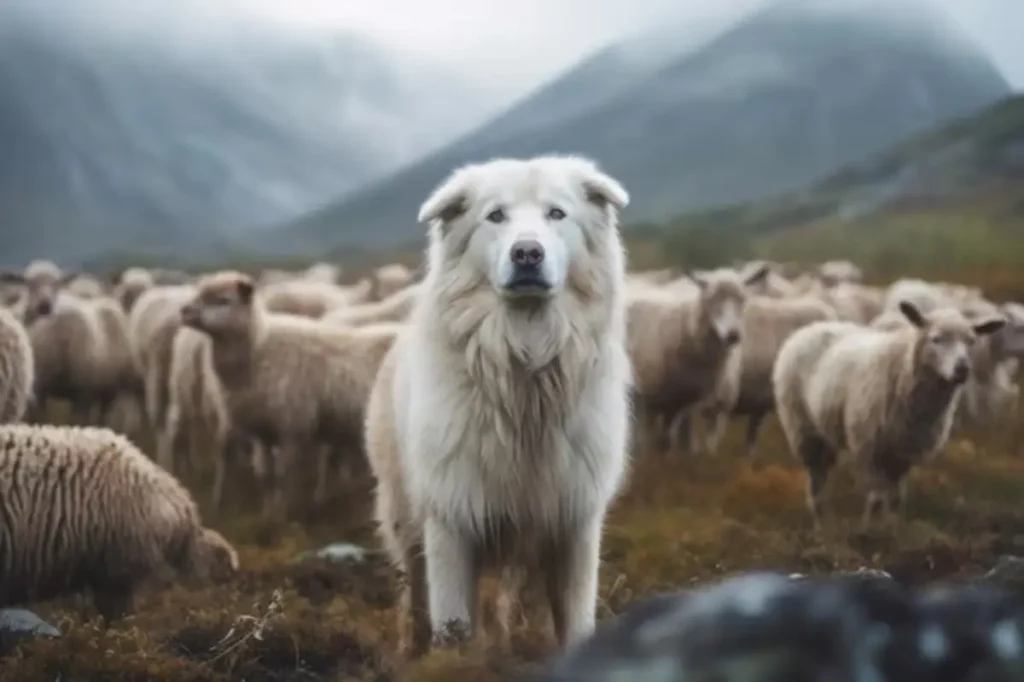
<point x="324" y="454"/>
<point x="572" y="582"/>
<point x="754" y="422"/>
<point x="225" y="445"/>
<point x="898" y="496"/>
<point x="682" y="422"/>
<point x="167" y="439"/>
<point x="274" y="496"/>
<point x="719" y="422"/>
<point x="152" y="395"/>
<point x="818" y="458"/>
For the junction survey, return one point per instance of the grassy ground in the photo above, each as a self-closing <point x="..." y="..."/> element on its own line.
<point x="682" y="520"/>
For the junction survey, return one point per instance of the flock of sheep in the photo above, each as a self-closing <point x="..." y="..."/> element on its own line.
<point x="492" y="398"/>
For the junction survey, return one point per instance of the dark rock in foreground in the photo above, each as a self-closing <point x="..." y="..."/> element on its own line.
<point x="18" y="623"/>
<point x="771" y="628"/>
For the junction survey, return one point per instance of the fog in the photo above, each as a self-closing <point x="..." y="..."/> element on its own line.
<point x="523" y="42"/>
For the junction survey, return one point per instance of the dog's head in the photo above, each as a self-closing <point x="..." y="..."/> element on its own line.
<point x="528" y="228"/>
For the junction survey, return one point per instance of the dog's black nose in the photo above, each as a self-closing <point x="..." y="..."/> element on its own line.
<point x="527" y="253"/>
<point x="732" y="337"/>
<point x="961" y="371"/>
<point x="44" y="307"/>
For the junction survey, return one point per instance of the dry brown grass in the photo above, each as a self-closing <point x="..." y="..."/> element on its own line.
<point x="681" y="520"/>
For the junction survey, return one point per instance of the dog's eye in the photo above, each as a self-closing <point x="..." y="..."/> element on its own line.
<point x="496" y="216"/>
<point x="555" y="213"/>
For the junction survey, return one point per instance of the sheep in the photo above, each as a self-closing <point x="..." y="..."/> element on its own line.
<point x="767" y="323"/>
<point x="773" y="284"/>
<point x="38" y="286"/>
<point x="855" y="302"/>
<point x="84" y="509"/>
<point x="291" y="382"/>
<point x="312" y="299"/>
<point x="836" y="272"/>
<point x="17" y="369"/>
<point x="925" y="296"/>
<point x="394" y="308"/>
<point x="680" y="344"/>
<point x="81" y="348"/>
<point x="888" y="397"/>
<point x="990" y="393"/>
<point x="86" y="286"/>
<point x="131" y="284"/>
<point x="390" y="279"/>
<point x="152" y="324"/>
<point x="327" y="273"/>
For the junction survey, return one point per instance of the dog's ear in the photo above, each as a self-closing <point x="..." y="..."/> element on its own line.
<point x="449" y="201"/>
<point x="604" y="190"/>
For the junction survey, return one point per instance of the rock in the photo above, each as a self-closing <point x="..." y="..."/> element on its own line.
<point x="1008" y="573"/>
<point x="338" y="551"/>
<point x="857" y="625"/>
<point x="18" y="623"/>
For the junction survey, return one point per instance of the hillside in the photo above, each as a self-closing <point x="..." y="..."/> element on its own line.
<point x="953" y="196"/>
<point x="780" y="100"/>
<point x="106" y="142"/>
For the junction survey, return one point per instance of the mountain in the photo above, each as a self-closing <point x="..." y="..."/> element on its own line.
<point x="975" y="159"/>
<point x="787" y="96"/>
<point x="115" y="144"/>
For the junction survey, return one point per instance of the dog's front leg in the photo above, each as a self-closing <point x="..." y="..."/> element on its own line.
<point x="572" y="581"/>
<point x="451" y="582"/>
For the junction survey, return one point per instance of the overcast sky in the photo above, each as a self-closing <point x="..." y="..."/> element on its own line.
<point x="523" y="40"/>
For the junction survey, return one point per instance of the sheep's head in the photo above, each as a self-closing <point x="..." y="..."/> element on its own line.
<point x="723" y="296"/>
<point x="212" y="557"/>
<point x="131" y="284"/>
<point x="223" y="304"/>
<point x="946" y="338"/>
<point x="40" y="284"/>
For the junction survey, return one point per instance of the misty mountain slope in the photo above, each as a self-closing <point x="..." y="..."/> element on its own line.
<point x="107" y="145"/>
<point x="784" y="98"/>
<point x="979" y="157"/>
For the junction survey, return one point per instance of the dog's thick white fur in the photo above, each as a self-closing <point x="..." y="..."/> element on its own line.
<point x="498" y="424"/>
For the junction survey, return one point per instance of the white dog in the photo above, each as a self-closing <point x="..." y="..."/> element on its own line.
<point x="498" y="424"/>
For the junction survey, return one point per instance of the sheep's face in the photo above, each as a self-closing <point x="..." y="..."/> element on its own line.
<point x="1013" y="333"/>
<point x="39" y="290"/>
<point x="947" y="338"/>
<point x="222" y="306"/>
<point x="723" y="298"/>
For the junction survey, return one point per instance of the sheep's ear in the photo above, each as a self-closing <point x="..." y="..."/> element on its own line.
<point x="990" y="326"/>
<point x="11" y="278"/>
<point x="757" y="274"/>
<point x="604" y="190"/>
<point x="698" y="278"/>
<point x="245" y="288"/>
<point x="448" y="202"/>
<point x="67" y="278"/>
<point x="913" y="314"/>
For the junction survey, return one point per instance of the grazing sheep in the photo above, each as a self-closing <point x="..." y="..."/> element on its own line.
<point x="394" y="308"/>
<point x="889" y="397"/>
<point x="292" y="383"/>
<point x="680" y="345"/>
<point x="84" y="509"/>
<point x="17" y="369"/>
<point x="767" y="323"/>
<point x="498" y="425"/>
<point x="313" y="299"/>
